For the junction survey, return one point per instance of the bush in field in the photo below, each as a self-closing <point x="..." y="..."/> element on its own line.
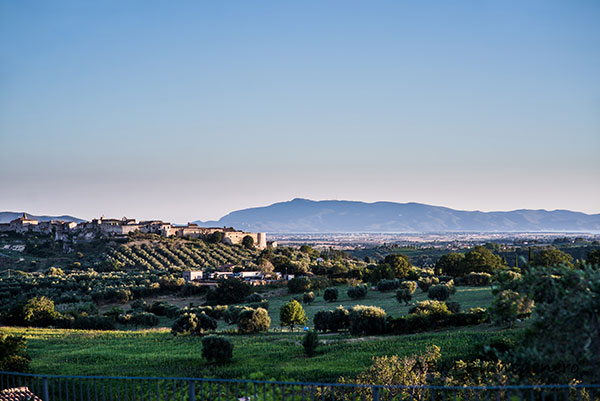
<point x="298" y="285"/>
<point x="330" y="294"/>
<point x="229" y="291"/>
<point x="332" y="320"/>
<point x="232" y="315"/>
<point x="453" y="307"/>
<point x="93" y="323"/>
<point x="144" y="319"/>
<point x="217" y="349"/>
<point x="425" y="282"/>
<point x="39" y="311"/>
<point x="114" y="312"/>
<point x="292" y="314"/>
<point x="388" y="285"/>
<point x="367" y="320"/>
<point x="439" y="292"/>
<point x="478" y="279"/>
<point x="192" y="323"/>
<point x="310" y="341"/>
<point x="509" y="306"/>
<point x="308" y="297"/>
<point x="404" y="295"/>
<point x="411" y="286"/>
<point x="430" y="307"/>
<point x="358" y="292"/>
<point x="254" y="321"/>
<point x="13" y="357"/>
<point x="253" y="298"/>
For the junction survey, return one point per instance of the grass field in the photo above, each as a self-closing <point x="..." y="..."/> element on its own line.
<point x="468" y="297"/>
<point x="269" y="356"/>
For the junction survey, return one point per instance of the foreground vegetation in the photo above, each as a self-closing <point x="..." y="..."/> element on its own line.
<point x="267" y="356"/>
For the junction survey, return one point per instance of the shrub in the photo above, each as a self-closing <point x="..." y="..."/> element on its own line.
<point x="254" y="321"/>
<point x="425" y="282"/>
<point x="367" y="320"/>
<point x="358" y="292"/>
<point x="234" y="312"/>
<point x="144" y="319"/>
<point x="387" y="285"/>
<point x="93" y="323"/>
<point x="430" y="307"/>
<point x="401" y="372"/>
<point x="299" y="285"/>
<point x="13" y="357"/>
<point x="229" y="291"/>
<point x="509" y="306"/>
<point x="308" y="297"/>
<point x="478" y="279"/>
<point x="192" y="323"/>
<point x="292" y="314"/>
<point x="404" y="295"/>
<point x="217" y="349"/>
<point x="332" y="320"/>
<point x="253" y="298"/>
<point x="330" y="294"/>
<point x="310" y="343"/>
<point x="439" y="292"/>
<point x="453" y="307"/>
<point x="411" y="286"/>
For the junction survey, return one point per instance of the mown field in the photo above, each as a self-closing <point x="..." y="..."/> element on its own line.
<point x="269" y="356"/>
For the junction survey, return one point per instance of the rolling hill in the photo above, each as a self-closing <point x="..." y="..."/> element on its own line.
<point x="329" y="216"/>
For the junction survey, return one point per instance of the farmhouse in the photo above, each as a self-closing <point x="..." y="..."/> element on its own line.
<point x="192" y="275"/>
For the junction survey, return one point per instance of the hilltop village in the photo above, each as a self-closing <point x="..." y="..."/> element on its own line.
<point x="102" y="227"/>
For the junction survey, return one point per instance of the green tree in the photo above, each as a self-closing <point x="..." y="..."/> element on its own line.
<point x="292" y="314"/>
<point x="39" y="311"/>
<point x="399" y="263"/>
<point x="450" y="264"/>
<point x="551" y="258"/>
<point x="254" y="321"/>
<point x="248" y="242"/>
<point x="216" y="237"/>
<point x="310" y="343"/>
<point x="482" y="260"/>
<point x="593" y="257"/>
<point x="229" y="291"/>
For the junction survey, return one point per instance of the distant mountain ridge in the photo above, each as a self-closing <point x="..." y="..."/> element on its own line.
<point x="330" y="216"/>
<point x="7" y="217"/>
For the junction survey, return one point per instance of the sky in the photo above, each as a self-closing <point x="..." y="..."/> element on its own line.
<point x="189" y="110"/>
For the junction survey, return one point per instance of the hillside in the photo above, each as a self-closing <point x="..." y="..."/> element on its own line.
<point x="303" y="215"/>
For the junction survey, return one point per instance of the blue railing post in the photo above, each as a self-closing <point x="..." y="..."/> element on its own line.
<point x="192" y="390"/>
<point x="46" y="396"/>
<point x="375" y="393"/>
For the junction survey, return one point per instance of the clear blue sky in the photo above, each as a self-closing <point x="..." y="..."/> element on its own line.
<point x="187" y="110"/>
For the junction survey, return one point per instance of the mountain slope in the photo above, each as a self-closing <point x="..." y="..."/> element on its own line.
<point x="303" y="215"/>
<point x="7" y="217"/>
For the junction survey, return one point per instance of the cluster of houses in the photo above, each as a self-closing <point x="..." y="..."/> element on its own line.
<point x="251" y="277"/>
<point x="122" y="227"/>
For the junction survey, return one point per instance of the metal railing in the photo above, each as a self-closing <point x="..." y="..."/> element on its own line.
<point x="34" y="387"/>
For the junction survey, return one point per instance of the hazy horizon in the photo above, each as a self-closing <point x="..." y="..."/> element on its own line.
<point x="188" y="111"/>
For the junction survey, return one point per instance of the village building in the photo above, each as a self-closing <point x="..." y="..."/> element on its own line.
<point x="23" y="224"/>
